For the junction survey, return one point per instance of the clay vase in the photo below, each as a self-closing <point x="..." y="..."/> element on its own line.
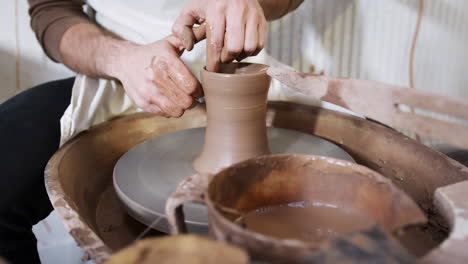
<point x="236" y="98"/>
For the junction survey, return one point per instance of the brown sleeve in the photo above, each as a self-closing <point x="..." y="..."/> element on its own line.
<point x="51" y="18"/>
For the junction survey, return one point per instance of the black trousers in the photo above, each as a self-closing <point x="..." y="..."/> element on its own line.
<point x="29" y="136"/>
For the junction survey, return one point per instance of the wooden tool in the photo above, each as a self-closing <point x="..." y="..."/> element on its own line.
<point x="384" y="103"/>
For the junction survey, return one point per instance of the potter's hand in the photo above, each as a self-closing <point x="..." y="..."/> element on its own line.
<point x="156" y="79"/>
<point x="237" y="27"/>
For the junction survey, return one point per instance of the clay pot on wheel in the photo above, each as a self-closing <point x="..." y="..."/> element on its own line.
<point x="284" y="179"/>
<point x="236" y="102"/>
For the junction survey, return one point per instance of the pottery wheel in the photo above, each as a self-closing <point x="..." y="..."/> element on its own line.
<point x="146" y="175"/>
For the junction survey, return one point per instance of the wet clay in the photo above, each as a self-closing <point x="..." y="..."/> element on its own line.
<point x="314" y="224"/>
<point x="236" y="110"/>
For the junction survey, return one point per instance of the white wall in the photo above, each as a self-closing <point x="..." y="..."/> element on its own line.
<point x="371" y="39"/>
<point x="22" y="62"/>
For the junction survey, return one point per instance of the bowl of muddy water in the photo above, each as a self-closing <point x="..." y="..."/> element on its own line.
<point x="282" y="208"/>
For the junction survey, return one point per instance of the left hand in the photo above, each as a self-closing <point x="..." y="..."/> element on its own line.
<point x="237" y="27"/>
<point x="155" y="77"/>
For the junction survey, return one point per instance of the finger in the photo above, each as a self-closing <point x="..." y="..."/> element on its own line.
<point x="188" y="38"/>
<point x="199" y="93"/>
<point x="262" y="31"/>
<point x="176" y="95"/>
<point x="184" y="79"/>
<point x="212" y="57"/>
<point x="216" y="21"/>
<point x="251" y="35"/>
<point x="200" y="32"/>
<point x="147" y="106"/>
<point x="182" y="28"/>
<point x="242" y="56"/>
<point x="176" y="43"/>
<point x="167" y="106"/>
<point x="234" y="36"/>
<point x="195" y="102"/>
<point x="169" y="97"/>
<point x="154" y="109"/>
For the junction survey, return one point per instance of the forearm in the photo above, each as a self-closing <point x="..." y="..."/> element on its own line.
<point x="68" y="36"/>
<point x="274" y="9"/>
<point x="88" y="50"/>
<point x="51" y="18"/>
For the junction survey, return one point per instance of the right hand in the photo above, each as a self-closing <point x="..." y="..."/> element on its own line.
<point x="236" y="28"/>
<point x="156" y="79"/>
